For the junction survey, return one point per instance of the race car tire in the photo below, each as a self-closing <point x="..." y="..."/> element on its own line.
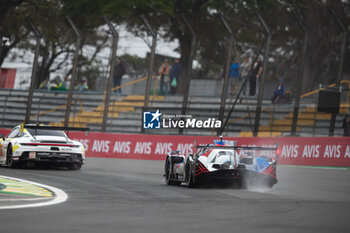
<point x="190" y="178"/>
<point x="75" y="166"/>
<point x="167" y="174"/>
<point x="9" y="157"/>
<point x="173" y="182"/>
<point x="269" y="184"/>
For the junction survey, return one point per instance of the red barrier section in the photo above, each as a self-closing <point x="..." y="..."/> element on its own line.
<point x="322" y="151"/>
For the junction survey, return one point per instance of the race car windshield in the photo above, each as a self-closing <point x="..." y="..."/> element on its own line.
<point x="227" y="153"/>
<point x="222" y="154"/>
<point x="44" y="132"/>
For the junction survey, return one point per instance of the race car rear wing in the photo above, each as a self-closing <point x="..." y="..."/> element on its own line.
<point x="220" y="144"/>
<point x="239" y="147"/>
<point x="46" y="127"/>
<point x="255" y="148"/>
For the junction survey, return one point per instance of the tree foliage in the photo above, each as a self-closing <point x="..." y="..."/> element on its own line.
<point x="57" y="44"/>
<point x="211" y="46"/>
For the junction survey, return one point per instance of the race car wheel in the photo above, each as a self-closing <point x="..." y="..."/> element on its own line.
<point x="75" y="166"/>
<point x="189" y="177"/>
<point x="167" y="170"/>
<point x="9" y="157"/>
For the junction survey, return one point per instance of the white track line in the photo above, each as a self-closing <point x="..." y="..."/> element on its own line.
<point x="59" y="196"/>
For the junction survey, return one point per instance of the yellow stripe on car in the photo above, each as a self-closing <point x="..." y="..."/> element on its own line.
<point x="14" y="148"/>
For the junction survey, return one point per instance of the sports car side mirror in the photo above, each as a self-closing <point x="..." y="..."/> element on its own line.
<point x="2" y="136"/>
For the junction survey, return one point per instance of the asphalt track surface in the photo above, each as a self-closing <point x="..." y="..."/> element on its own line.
<point x="112" y="195"/>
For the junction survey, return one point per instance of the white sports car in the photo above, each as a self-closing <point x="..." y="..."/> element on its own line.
<point x="31" y="144"/>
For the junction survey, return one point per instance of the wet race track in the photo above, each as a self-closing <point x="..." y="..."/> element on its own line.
<point x="112" y="195"/>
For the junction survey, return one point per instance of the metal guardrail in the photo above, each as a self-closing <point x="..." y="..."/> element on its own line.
<point x="313" y="120"/>
<point x="303" y="96"/>
<point x="3" y="111"/>
<point x="79" y="104"/>
<point x="63" y="106"/>
<point x="74" y="102"/>
<point x="330" y="85"/>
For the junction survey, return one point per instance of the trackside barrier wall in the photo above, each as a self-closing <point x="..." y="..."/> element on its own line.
<point x="311" y="151"/>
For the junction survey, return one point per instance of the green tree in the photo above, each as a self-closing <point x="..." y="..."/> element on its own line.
<point x="9" y="27"/>
<point x="165" y="17"/>
<point x="57" y="45"/>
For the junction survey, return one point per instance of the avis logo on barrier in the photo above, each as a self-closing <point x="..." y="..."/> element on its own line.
<point x="151" y="120"/>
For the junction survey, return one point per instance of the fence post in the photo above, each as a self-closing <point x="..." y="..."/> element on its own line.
<point x="107" y="96"/>
<point x="272" y="119"/>
<point x="1" y="42"/>
<point x="74" y="70"/>
<point x="243" y="84"/>
<point x="300" y="80"/>
<point x="227" y="68"/>
<point x="187" y="77"/>
<point x="340" y="67"/>
<point x="150" y="66"/>
<point x="261" y="82"/>
<point x="34" y="69"/>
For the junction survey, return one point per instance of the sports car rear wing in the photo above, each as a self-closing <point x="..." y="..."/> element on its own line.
<point x="46" y="127"/>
